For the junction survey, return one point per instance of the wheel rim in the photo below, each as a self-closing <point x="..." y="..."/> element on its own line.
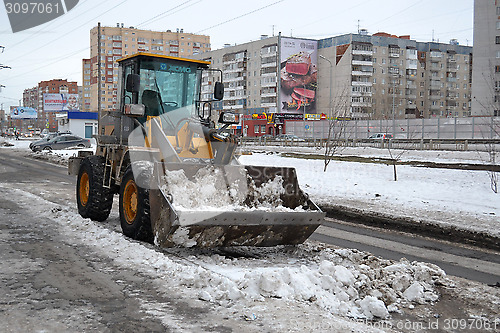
<point x="130" y="201"/>
<point x="84" y="189"/>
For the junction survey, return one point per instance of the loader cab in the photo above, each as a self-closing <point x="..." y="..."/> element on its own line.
<point x="161" y="84"/>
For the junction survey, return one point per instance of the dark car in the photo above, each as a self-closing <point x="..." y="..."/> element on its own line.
<point x="45" y="139"/>
<point x="62" y="142"/>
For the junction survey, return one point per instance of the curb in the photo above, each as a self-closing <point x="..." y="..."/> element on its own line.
<point x="422" y="228"/>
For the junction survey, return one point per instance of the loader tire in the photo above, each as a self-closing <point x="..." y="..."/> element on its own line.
<point x="134" y="208"/>
<point x="93" y="199"/>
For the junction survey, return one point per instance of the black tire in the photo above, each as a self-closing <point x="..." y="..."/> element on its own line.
<point x="48" y="148"/>
<point x="135" y="216"/>
<point x="93" y="199"/>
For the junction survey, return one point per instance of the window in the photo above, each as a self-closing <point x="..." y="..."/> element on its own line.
<point x="256" y="128"/>
<point x="497" y="40"/>
<point x="263" y="128"/>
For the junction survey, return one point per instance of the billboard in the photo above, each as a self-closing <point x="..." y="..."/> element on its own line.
<point x="60" y="102"/>
<point x="23" y="113"/>
<point x="298" y="75"/>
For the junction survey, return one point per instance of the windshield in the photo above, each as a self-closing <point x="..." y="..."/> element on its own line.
<point x="169" y="85"/>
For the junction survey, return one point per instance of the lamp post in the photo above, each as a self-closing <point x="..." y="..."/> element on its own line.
<point x="331" y="78"/>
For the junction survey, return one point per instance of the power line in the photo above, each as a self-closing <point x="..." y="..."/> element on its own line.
<point x="167" y="13"/>
<point x="401" y="11"/>
<point x="238" y="17"/>
<point x="78" y="27"/>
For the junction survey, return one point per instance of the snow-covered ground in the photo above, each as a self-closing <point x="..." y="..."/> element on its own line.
<point x="304" y="284"/>
<point x="459" y="198"/>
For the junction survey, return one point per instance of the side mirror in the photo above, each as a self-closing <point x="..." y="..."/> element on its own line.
<point x="218" y="91"/>
<point x="229" y="118"/>
<point x="133" y="83"/>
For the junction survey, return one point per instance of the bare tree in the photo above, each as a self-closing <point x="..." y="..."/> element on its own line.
<point x="339" y="112"/>
<point x="489" y="107"/>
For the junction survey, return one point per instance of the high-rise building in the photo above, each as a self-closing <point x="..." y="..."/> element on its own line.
<point x="378" y="76"/>
<point x="117" y="42"/>
<point x="34" y="98"/>
<point x="268" y="80"/>
<point x="486" y="72"/>
<point x="383" y="76"/>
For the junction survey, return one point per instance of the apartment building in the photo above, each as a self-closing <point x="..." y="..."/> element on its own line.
<point x="117" y="42"/>
<point x="383" y="76"/>
<point x="486" y="72"/>
<point x="34" y="98"/>
<point x="268" y="81"/>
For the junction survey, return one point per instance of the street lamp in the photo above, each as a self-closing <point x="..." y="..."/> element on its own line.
<point x="331" y="78"/>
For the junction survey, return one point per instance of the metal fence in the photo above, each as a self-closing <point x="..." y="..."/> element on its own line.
<point x="438" y="128"/>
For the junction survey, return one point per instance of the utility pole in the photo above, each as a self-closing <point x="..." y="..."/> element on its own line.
<point x="331" y="78"/>
<point x="99" y="77"/>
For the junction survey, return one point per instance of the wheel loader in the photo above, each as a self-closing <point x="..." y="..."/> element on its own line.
<point x="172" y="161"/>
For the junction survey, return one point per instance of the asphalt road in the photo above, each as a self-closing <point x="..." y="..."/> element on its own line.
<point x="53" y="183"/>
<point x="50" y="285"/>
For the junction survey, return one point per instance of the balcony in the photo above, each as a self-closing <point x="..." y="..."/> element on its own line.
<point x="362" y="83"/>
<point x="411" y="85"/>
<point x="434" y="97"/>
<point x="394" y="52"/>
<point x="362" y="62"/>
<point x="362" y="52"/>
<point x="361" y="73"/>
<point x="269" y="64"/>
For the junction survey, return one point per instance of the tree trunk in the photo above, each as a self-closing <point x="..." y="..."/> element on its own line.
<point x="395" y="173"/>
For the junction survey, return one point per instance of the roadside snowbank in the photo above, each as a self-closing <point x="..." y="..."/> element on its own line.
<point x="343" y="282"/>
<point x="459" y="198"/>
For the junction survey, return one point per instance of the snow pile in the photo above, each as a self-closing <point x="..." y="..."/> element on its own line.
<point x="344" y="282"/>
<point x="219" y="189"/>
<point x="206" y="190"/>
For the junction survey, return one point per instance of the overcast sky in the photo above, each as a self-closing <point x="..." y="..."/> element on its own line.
<point x="54" y="50"/>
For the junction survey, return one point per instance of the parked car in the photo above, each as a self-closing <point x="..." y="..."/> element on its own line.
<point x="61" y="142"/>
<point x="45" y="139"/>
<point x="382" y="136"/>
<point x="288" y="137"/>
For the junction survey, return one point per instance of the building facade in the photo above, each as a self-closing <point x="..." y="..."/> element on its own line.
<point x="486" y="72"/>
<point x="117" y="42"/>
<point x="382" y="76"/>
<point x="33" y="97"/>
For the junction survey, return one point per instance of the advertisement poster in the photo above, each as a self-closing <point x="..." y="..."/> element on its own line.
<point x="299" y="75"/>
<point x="60" y="102"/>
<point x="23" y="113"/>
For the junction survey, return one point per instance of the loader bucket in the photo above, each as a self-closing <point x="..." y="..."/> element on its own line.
<point x="229" y="205"/>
